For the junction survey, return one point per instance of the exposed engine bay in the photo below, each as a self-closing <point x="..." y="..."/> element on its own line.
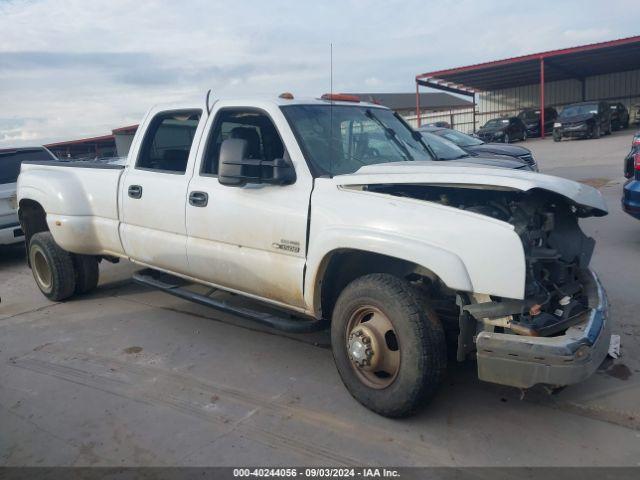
<point x="557" y="253"/>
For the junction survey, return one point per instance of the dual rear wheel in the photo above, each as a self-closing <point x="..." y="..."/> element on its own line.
<point x="60" y="274"/>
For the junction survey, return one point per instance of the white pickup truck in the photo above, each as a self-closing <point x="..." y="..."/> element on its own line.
<point x="334" y="212"/>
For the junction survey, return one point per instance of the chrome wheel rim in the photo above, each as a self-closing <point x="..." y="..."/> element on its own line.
<point x="373" y="347"/>
<point x="41" y="268"/>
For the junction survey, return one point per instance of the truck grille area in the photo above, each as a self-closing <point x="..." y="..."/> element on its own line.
<point x="557" y="253"/>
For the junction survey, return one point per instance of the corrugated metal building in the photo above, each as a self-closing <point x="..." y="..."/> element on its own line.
<point x="602" y="71"/>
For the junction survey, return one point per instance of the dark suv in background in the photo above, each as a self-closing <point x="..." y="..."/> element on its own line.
<point x="583" y="120"/>
<point x="531" y="119"/>
<point x="619" y="116"/>
<point x="505" y="130"/>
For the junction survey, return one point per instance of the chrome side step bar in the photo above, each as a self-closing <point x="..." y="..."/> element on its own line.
<point x="175" y="286"/>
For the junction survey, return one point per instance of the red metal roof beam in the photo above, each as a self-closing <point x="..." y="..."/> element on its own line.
<point x="533" y="56"/>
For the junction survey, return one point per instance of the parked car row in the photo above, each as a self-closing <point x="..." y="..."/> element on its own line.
<point x="579" y="120"/>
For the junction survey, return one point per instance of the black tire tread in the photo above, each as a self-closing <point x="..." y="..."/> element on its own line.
<point x="61" y="264"/>
<point x="87" y="272"/>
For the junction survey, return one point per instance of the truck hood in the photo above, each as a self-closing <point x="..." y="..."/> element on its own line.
<point x="498" y="148"/>
<point x="587" y="198"/>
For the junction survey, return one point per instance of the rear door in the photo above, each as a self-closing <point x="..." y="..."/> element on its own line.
<point x="252" y="238"/>
<point x="153" y="191"/>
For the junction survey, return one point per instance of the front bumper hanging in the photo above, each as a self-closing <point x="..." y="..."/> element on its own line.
<point x="523" y="361"/>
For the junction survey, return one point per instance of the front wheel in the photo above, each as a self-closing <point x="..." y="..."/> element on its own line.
<point x="524" y="135"/>
<point x="506" y="139"/>
<point x="52" y="267"/>
<point x="388" y="345"/>
<point x="595" y="133"/>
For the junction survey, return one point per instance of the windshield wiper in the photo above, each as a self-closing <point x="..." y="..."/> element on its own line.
<point x="390" y="132"/>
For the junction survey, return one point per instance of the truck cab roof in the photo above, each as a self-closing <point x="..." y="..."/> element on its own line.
<point x="264" y="100"/>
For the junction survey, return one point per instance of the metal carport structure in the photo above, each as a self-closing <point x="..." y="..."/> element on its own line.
<point x="577" y="63"/>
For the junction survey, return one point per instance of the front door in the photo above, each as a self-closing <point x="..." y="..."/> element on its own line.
<point x="154" y="191"/>
<point x="252" y="238"/>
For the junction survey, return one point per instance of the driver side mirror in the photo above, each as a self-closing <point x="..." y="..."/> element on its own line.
<point x="236" y="170"/>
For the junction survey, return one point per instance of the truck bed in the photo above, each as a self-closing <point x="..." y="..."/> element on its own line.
<point x="81" y="202"/>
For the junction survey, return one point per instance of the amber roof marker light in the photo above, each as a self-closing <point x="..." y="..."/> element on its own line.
<point x="286" y="96"/>
<point x="340" y="97"/>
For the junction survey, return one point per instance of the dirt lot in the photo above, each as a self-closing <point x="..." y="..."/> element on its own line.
<point x="129" y="376"/>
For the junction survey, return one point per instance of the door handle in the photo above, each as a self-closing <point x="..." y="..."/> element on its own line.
<point x="198" y="199"/>
<point x="135" y="191"/>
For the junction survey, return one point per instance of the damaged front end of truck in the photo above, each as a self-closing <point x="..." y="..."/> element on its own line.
<point x="558" y="332"/>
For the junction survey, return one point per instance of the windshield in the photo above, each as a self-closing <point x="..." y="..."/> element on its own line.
<point x="340" y="139"/>
<point x="459" y="138"/>
<point x="443" y="148"/>
<point x="575" y="110"/>
<point x="529" y="115"/>
<point x="497" y="122"/>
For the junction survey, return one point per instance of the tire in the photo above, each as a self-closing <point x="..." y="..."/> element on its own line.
<point x="524" y="136"/>
<point x="557" y="138"/>
<point x="608" y="132"/>
<point x="86" y="271"/>
<point x="52" y="267"/>
<point x="420" y="344"/>
<point x="506" y="139"/>
<point x="595" y="131"/>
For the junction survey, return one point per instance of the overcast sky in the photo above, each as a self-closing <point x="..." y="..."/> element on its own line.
<point x="75" y="68"/>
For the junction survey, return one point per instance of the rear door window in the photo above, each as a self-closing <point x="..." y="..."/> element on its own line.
<point x="10" y="161"/>
<point x="168" y="141"/>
